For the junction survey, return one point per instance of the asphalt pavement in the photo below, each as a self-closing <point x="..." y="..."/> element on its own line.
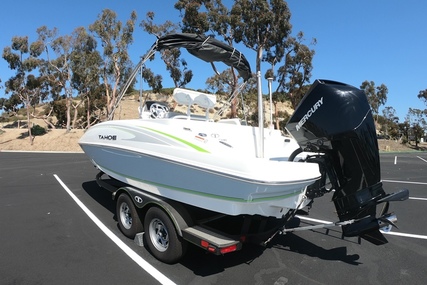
<point x="46" y="236"/>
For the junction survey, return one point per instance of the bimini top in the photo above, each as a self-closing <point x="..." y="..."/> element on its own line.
<point x="208" y="49"/>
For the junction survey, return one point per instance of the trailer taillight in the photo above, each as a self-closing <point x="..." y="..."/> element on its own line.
<point x="215" y="249"/>
<point x="228" y="249"/>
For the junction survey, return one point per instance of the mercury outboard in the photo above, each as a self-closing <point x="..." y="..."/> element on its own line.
<point x="335" y="121"/>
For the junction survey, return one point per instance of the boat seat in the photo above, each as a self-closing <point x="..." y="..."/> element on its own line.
<point x="190" y="97"/>
<point x="184" y="96"/>
<point x="206" y="101"/>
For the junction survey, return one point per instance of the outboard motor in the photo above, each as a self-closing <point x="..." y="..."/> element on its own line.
<point x="335" y="120"/>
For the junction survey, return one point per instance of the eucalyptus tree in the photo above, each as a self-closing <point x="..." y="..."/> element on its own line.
<point x="423" y="96"/>
<point x="404" y="129"/>
<point x="215" y="19"/>
<point x="175" y="65"/>
<point x="85" y="65"/>
<point x="265" y="27"/>
<point x="23" y="57"/>
<point x="57" y="67"/>
<point x="377" y="95"/>
<point x="262" y="26"/>
<point x="220" y="82"/>
<point x="391" y="121"/>
<point x="418" y="123"/>
<point x="12" y="104"/>
<point x="206" y="16"/>
<point x="115" y="38"/>
<point x="295" y="72"/>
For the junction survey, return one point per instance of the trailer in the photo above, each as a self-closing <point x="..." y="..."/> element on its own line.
<point x="166" y="227"/>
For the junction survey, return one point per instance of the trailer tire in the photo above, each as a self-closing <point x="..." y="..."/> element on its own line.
<point x="161" y="236"/>
<point x="127" y="216"/>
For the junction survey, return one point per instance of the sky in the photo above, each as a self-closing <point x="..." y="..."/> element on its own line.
<point x="384" y="41"/>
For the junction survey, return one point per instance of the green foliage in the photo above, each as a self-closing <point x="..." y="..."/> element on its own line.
<point x="60" y="111"/>
<point x="116" y="38"/>
<point x="377" y="95"/>
<point x="154" y="81"/>
<point x="24" y="87"/>
<point x="389" y="122"/>
<point x="404" y="140"/>
<point x="167" y="91"/>
<point x="423" y="95"/>
<point x="37" y="130"/>
<point x="78" y="64"/>
<point x="417" y="123"/>
<point x="194" y="21"/>
<point x="176" y="66"/>
<point x="261" y="24"/>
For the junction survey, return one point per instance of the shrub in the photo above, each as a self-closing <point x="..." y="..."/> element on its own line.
<point x="37" y="130"/>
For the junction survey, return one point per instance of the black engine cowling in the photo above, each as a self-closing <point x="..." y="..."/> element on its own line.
<point x="335" y="119"/>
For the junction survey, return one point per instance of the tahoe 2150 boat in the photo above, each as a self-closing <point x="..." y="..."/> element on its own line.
<point x="177" y="176"/>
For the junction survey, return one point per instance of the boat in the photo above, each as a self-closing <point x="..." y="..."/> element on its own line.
<point x="233" y="169"/>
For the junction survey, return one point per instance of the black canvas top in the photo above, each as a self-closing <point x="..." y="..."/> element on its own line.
<point x="208" y="49"/>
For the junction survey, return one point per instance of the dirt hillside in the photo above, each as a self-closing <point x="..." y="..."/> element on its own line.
<point x="59" y="140"/>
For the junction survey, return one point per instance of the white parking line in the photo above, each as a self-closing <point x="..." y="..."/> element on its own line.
<point x="313" y="220"/>
<point x="422" y="159"/>
<point x="405" y="235"/>
<point x="388" y="233"/>
<point x="405" y="182"/>
<point x="415" y="198"/>
<point x="126" y="249"/>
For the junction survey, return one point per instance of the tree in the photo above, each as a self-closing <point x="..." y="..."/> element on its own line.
<point x="11" y="105"/>
<point x="404" y="129"/>
<point x="85" y="65"/>
<point x="391" y="122"/>
<point x="262" y="26"/>
<point x="115" y="38"/>
<point x="265" y="27"/>
<point x="417" y="122"/>
<point x="377" y="95"/>
<point x="220" y="83"/>
<point x="294" y="74"/>
<point x="176" y="66"/>
<point x="57" y="70"/>
<point x="23" y="86"/>
<point x="423" y="95"/>
<point x="211" y="17"/>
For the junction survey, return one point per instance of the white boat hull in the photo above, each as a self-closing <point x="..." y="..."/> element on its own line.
<point x="198" y="163"/>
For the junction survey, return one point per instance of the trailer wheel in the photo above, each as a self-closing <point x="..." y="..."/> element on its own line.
<point x="161" y="236"/>
<point x="127" y="216"/>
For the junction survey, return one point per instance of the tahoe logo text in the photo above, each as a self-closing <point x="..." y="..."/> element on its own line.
<point x="107" y="137"/>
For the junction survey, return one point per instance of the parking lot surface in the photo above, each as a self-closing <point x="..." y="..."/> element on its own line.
<point x="48" y="238"/>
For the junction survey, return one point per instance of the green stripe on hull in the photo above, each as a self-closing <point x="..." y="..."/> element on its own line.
<point x="178" y="139"/>
<point x="187" y="143"/>
<point x="203" y="194"/>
